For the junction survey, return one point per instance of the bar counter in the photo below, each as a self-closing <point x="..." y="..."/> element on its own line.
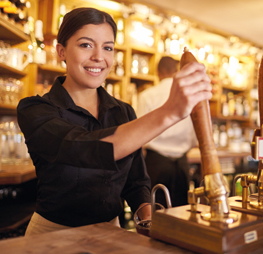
<point x="93" y="239"/>
<point x="17" y="173"/>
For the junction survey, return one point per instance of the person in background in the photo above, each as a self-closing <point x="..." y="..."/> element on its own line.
<point x="84" y="143"/>
<point x="165" y="155"/>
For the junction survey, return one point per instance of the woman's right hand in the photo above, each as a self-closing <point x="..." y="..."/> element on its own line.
<point x="190" y="85"/>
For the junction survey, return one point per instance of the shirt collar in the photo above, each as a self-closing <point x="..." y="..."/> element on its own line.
<point x="61" y="98"/>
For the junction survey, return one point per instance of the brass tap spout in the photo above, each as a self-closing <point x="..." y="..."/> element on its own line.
<point x="193" y="196"/>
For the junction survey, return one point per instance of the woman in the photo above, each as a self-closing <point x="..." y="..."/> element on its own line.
<point x="85" y="144"/>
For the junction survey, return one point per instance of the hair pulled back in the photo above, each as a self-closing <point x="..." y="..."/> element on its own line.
<point x="77" y="18"/>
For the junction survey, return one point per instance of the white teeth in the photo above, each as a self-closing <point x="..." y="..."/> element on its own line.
<point x="94" y="69"/>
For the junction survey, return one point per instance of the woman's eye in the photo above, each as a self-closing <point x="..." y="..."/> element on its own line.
<point x="109" y="48"/>
<point x="85" y="45"/>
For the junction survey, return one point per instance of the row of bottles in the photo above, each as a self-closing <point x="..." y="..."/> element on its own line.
<point x="15" y="10"/>
<point x="234" y="104"/>
<point x="232" y="137"/>
<point x="140" y="64"/>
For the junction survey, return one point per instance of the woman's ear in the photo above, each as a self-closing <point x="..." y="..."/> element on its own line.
<point x="61" y="52"/>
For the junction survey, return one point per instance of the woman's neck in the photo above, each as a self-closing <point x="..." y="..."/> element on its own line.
<point x="85" y="98"/>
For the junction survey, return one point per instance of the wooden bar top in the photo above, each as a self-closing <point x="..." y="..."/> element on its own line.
<point x="93" y="239"/>
<point x="16" y="174"/>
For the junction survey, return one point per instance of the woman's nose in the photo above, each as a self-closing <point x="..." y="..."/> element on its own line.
<point x="97" y="55"/>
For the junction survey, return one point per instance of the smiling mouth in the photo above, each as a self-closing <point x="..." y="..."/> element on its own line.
<point x="95" y="70"/>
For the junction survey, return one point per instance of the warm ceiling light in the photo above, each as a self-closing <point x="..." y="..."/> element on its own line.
<point x="175" y="19"/>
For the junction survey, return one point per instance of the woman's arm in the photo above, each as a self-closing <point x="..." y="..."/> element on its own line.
<point x="190" y="86"/>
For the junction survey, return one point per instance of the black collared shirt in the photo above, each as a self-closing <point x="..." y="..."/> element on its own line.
<point x="79" y="183"/>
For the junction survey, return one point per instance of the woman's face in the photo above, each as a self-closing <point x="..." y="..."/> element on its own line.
<point x="89" y="55"/>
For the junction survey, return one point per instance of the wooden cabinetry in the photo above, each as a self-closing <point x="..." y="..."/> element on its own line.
<point x="232" y="98"/>
<point x="12" y="34"/>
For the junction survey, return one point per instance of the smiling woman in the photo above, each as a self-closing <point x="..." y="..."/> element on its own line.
<point x="86" y="144"/>
<point x="89" y="54"/>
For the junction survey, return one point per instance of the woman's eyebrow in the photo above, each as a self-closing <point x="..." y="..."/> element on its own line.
<point x="90" y="39"/>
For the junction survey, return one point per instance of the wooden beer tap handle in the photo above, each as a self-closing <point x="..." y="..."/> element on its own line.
<point x="202" y="125"/>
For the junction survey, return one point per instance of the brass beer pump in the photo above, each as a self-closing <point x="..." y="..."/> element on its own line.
<point x="215" y="187"/>
<point x="253" y="204"/>
<point x="212" y="228"/>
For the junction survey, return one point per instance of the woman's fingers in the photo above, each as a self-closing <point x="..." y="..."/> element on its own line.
<point x="190" y="68"/>
<point x="195" y="81"/>
<point x="192" y="78"/>
<point x="190" y="86"/>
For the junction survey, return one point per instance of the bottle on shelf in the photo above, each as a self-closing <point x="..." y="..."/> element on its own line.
<point x="39" y="51"/>
<point x="216" y="134"/>
<point x="4" y="3"/>
<point x="120" y="33"/>
<point x="119" y="67"/>
<point x="239" y="106"/>
<point x="21" y="14"/>
<point x="223" y="139"/>
<point x="231" y="104"/>
<point x="29" y="29"/>
<point x="135" y="64"/>
<point x="62" y="12"/>
<point x="10" y="9"/>
<point x="246" y="107"/>
<point x="22" y="4"/>
<point x="224" y="103"/>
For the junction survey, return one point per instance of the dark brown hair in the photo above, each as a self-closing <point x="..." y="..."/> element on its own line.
<point x="77" y="18"/>
<point x="167" y="65"/>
